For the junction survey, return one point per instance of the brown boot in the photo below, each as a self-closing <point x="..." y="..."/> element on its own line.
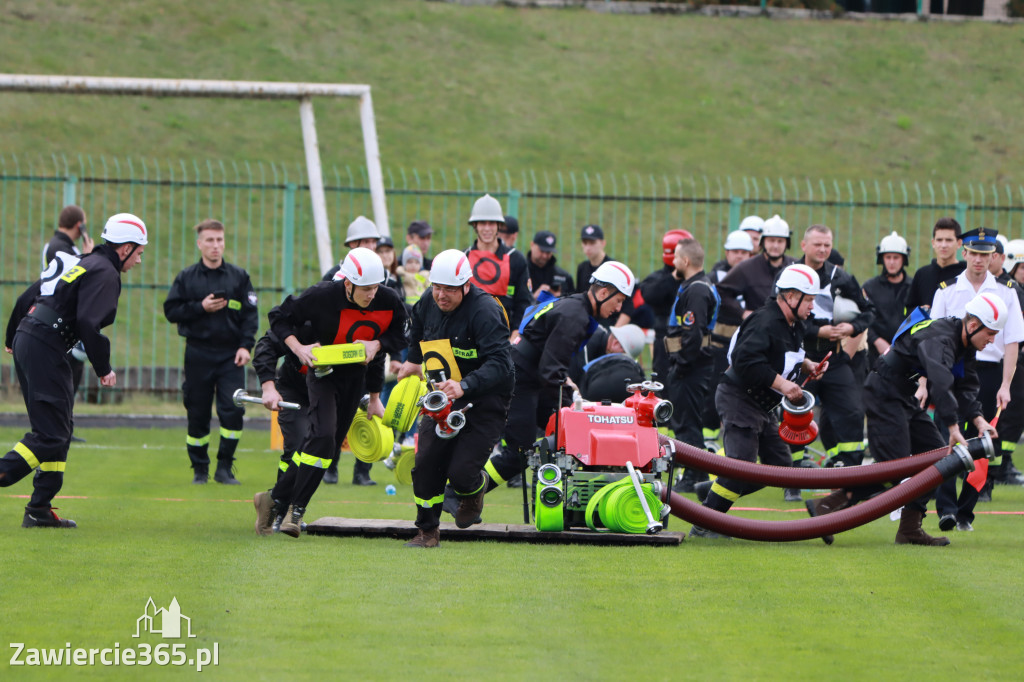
<point x="469" y="509"/>
<point x="426" y="538"/>
<point x="292" y="525"/>
<point x="911" y="533"/>
<point x="264" y="505"/>
<point x="834" y="501"/>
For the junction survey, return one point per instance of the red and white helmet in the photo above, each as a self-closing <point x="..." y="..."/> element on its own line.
<point x="125" y="228"/>
<point x="363" y="267"/>
<point x="450" y="268"/>
<point x="615" y="274"/>
<point x="799" y="277"/>
<point x="990" y="309"/>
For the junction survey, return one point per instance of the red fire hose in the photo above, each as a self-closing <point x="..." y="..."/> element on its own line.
<point x="829" y="524"/>
<point x="797" y="477"/>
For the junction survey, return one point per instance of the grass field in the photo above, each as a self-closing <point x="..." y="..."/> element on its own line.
<point x="357" y="609"/>
<point x="498" y="88"/>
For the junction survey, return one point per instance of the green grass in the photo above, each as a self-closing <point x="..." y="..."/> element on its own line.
<point x="499" y="88"/>
<point x="369" y="609"/>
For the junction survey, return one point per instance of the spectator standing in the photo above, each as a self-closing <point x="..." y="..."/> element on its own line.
<point x="592" y="238"/>
<point x="420" y="234"/>
<point x="888" y="292"/>
<point x="945" y="266"/>
<point x="749" y="284"/>
<point x="509" y="232"/>
<point x="659" y="293"/>
<point x="753" y="226"/>
<point x="546" y="278"/>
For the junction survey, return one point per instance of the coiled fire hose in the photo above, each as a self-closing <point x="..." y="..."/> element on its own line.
<point x="618" y="509"/>
<point x="798" y="477"/>
<point x="829" y="524"/>
<point x="370" y="440"/>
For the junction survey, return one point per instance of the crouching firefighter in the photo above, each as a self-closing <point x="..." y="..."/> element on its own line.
<point x="351" y="309"/>
<point x="927" y="358"/>
<point x="74" y="304"/>
<point x="765" y="352"/>
<point x="550" y="335"/>
<point x="459" y="338"/>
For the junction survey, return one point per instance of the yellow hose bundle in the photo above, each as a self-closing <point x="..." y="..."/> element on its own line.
<point x="370" y="439"/>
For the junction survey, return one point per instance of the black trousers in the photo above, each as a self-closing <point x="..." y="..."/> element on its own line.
<point x="841" y="417"/>
<point x="990" y="376"/>
<point x="209" y="372"/>
<point x="460" y="459"/>
<point x="532" y="405"/>
<point x="1011" y="423"/>
<point x="333" y="401"/>
<point x="46" y="378"/>
<point x="294" y="424"/>
<point x="897" y="427"/>
<point x="709" y="416"/>
<point x="748" y="433"/>
<point x="687" y="388"/>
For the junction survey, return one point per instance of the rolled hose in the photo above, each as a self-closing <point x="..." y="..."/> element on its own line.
<point x="617" y="508"/>
<point x="798" y="477"/>
<point x="370" y="440"/>
<point x="829" y="524"/>
<point x="404" y="466"/>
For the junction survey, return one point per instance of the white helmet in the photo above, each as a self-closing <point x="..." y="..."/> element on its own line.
<point x="361" y="228"/>
<point x="752" y="222"/>
<point x="632" y="339"/>
<point x="1014" y="254"/>
<point x="125" y="228"/>
<point x="776" y="227"/>
<point x="739" y="240"/>
<point x="990" y="309"/>
<point x="617" y="275"/>
<point x="450" y="268"/>
<point x="488" y="209"/>
<point x="801" y="278"/>
<point x="892" y="244"/>
<point x="363" y="267"/>
<point x="844" y="309"/>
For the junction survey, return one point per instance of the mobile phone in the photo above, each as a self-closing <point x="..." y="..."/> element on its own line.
<point x="220" y="293"/>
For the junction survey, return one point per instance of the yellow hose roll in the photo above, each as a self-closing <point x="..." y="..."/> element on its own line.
<point x="370" y="439"/>
<point x="401" y="410"/>
<point x="403" y="468"/>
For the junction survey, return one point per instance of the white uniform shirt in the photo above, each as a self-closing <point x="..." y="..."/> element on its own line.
<point x="952" y="302"/>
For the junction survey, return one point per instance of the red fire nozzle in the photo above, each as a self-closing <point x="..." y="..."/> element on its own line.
<point x="798" y="427"/>
<point x="650" y="409"/>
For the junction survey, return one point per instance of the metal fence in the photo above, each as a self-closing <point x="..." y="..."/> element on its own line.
<point x="266" y="209"/>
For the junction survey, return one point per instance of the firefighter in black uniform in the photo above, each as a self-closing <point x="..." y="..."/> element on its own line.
<point x="353" y="309"/>
<point x="928" y="360"/>
<point x="458" y="330"/>
<point x="688" y="342"/>
<point x="285" y="382"/>
<point x="550" y="335"/>
<point x="71" y="226"/>
<point x="659" y="292"/>
<point x="838" y="392"/>
<point x="765" y="353"/>
<point x="546" y="278"/>
<point x="1011" y="424"/>
<point x="888" y="293"/>
<point x="73" y="305"/>
<point x="750" y="283"/>
<point x="214" y="306"/>
<point x="497" y="269"/>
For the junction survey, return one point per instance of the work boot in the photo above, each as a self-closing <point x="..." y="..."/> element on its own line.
<point x="224" y="476"/>
<point x="200" y="477"/>
<point x="699" y="532"/>
<point x="44" y="517"/>
<point x="687" y="484"/>
<point x="702" y="489"/>
<point x="264" y="505"/>
<point x="426" y="539"/>
<point x="292" y="526"/>
<point x="947" y="522"/>
<point x="361" y="474"/>
<point x="451" y="500"/>
<point x="331" y="475"/>
<point x="792" y="495"/>
<point x="469" y="509"/>
<point x="964" y="526"/>
<point x="834" y="501"/>
<point x="911" y="533"/>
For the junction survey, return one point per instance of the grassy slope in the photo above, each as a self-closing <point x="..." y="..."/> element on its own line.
<point x="497" y="88"/>
<point x="367" y="609"/>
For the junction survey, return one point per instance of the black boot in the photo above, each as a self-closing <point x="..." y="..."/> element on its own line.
<point x="223" y="473"/>
<point x="361" y="474"/>
<point x="331" y="475"/>
<point x="43" y="517"/>
<point x="200" y="476"/>
<point x="833" y="502"/>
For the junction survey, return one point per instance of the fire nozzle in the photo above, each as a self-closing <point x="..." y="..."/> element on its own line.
<point x="650" y="409"/>
<point x="438" y="407"/>
<point x="798" y="427"/>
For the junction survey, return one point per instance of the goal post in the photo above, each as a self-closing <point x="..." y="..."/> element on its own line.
<point x="303" y="93"/>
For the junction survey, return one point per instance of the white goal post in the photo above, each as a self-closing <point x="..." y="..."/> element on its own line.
<point x="303" y="92"/>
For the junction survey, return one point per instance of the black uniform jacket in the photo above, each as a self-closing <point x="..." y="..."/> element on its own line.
<point x="558" y="330"/>
<point x="59" y="243"/>
<point x="478" y="334"/>
<point x="760" y="346"/>
<point x="85" y="298"/>
<point x="334" y="319"/>
<point x="505" y="275"/>
<point x="555" y="277"/>
<point x="934" y="349"/>
<point x="838" y="282"/>
<point x="694" y="307"/>
<point x="584" y="271"/>
<point x="752" y="281"/>
<point x="926" y="282"/>
<point x="890" y="301"/>
<point x="233" y="326"/>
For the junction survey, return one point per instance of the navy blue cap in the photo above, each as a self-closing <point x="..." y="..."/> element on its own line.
<point x="980" y="240"/>
<point x="591" y="232"/>
<point x="545" y="240"/>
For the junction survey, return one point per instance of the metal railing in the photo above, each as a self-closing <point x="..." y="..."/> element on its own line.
<point x="266" y="208"/>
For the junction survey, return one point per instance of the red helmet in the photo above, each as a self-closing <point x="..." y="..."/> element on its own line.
<point x="668" y="244"/>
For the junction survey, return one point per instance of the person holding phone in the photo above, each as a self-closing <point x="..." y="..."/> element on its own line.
<point x="214" y="305"/>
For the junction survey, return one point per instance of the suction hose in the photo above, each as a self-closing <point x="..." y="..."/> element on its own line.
<point x="829" y="524"/>
<point x="798" y="477"/>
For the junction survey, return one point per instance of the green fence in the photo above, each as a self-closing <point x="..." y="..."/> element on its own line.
<point x="266" y="209"/>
